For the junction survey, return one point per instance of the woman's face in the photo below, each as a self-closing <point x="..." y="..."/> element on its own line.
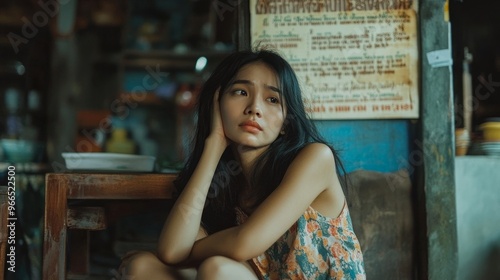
<point x="251" y="107"/>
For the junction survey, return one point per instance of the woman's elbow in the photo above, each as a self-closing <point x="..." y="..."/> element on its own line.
<point x="246" y="248"/>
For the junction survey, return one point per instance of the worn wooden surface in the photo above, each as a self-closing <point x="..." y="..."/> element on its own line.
<point x="79" y="263"/>
<point x="61" y="187"/>
<point x="117" y="186"/>
<point x="54" y="229"/>
<point x="88" y="218"/>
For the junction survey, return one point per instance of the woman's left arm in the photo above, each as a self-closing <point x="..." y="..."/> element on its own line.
<point x="308" y="175"/>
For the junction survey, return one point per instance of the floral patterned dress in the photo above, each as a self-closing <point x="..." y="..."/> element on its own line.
<point x="315" y="247"/>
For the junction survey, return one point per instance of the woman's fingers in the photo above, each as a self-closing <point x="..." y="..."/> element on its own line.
<point x="217" y="127"/>
<point x="217" y="121"/>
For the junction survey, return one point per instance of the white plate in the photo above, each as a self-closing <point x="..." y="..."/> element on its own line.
<point x="109" y="162"/>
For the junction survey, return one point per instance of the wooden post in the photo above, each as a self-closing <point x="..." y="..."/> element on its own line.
<point x="436" y="181"/>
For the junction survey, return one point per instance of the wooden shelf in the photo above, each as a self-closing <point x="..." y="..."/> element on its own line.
<point x="170" y="54"/>
<point x="150" y="99"/>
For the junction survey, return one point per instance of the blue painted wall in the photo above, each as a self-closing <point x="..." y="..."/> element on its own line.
<point x="378" y="145"/>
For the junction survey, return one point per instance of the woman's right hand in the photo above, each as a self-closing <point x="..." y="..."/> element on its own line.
<point x="217" y="135"/>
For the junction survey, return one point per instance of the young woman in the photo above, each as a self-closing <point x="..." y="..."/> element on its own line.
<point x="260" y="195"/>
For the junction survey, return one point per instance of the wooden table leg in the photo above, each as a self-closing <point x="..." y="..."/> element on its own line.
<point x="79" y="264"/>
<point x="54" y="240"/>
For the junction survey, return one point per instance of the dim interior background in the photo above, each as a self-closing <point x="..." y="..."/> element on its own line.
<point x="123" y="76"/>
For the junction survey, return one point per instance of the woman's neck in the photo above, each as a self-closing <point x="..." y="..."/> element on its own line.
<point x="247" y="157"/>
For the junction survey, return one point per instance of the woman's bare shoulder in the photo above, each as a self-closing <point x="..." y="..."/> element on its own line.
<point x="317" y="154"/>
<point x="315" y="160"/>
<point x="320" y="157"/>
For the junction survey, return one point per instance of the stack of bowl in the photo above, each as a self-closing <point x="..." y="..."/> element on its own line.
<point x="462" y="141"/>
<point x="21" y="151"/>
<point x="491" y="136"/>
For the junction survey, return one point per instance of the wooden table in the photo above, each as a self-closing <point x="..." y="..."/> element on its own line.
<point x="62" y="187"/>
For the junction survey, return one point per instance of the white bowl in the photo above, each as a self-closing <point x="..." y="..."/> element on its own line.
<point x="109" y="162"/>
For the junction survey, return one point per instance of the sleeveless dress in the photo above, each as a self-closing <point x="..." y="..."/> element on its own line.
<point x="315" y="247"/>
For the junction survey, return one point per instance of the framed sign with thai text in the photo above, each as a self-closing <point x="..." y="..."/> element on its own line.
<point x="355" y="59"/>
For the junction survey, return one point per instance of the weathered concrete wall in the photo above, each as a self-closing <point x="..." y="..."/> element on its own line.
<point x="478" y="217"/>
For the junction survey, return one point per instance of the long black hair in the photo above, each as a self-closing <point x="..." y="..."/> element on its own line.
<point x="272" y="164"/>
